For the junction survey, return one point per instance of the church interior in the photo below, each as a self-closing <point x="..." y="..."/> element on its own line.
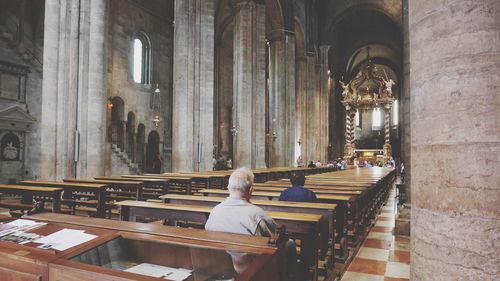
<point x="125" y="125"/>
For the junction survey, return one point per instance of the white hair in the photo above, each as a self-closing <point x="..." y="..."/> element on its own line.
<point x="241" y="180"/>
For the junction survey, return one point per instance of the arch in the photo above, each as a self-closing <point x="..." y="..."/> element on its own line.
<point x="152" y="153"/>
<point x="141" y="58"/>
<point x="375" y="7"/>
<point x="116" y="132"/>
<point x="274" y="18"/>
<point x="140" y="142"/>
<point x="130" y="132"/>
<point x="300" y="39"/>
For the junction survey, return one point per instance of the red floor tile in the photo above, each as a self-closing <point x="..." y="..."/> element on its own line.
<point x="395" y="279"/>
<point x="385" y="218"/>
<point x="400" y="256"/>
<point x="381" y="229"/>
<point x="377" y="244"/>
<point x="368" y="266"/>
<point x="402" y="239"/>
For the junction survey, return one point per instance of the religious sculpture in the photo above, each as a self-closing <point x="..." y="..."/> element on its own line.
<point x="10" y="152"/>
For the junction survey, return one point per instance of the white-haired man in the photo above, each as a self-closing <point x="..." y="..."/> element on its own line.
<point x="236" y="214"/>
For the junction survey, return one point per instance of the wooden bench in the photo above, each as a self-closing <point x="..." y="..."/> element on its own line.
<point x="175" y="184"/>
<point x="304" y="227"/>
<point x="327" y="222"/>
<point x="74" y="192"/>
<point x="128" y="189"/>
<point x="153" y="187"/>
<point x="28" y="192"/>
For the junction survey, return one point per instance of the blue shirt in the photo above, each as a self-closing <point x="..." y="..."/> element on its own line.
<point x="298" y="193"/>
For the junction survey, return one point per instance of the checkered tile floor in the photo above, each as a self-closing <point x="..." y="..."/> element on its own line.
<point x="383" y="256"/>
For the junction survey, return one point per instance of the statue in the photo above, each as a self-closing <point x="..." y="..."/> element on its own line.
<point x="345" y="93"/>
<point x="388" y="86"/>
<point x="10" y="152"/>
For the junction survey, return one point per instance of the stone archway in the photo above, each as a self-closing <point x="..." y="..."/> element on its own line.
<point x="116" y="132"/>
<point x="130" y="134"/>
<point x="140" y="146"/>
<point x="152" y="151"/>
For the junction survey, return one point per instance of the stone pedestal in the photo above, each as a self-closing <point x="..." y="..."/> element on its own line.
<point x="454" y="56"/>
<point x="193" y="89"/>
<point x="249" y="85"/>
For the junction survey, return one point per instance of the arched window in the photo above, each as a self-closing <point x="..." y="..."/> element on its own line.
<point x="141" y="68"/>
<point x="376" y="119"/>
<point x="395" y="113"/>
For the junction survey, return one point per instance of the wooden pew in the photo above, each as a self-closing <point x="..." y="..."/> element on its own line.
<point x="28" y="192"/>
<point x="124" y="190"/>
<point x="175" y="184"/>
<point x="153" y="187"/>
<point x="72" y="194"/>
<point x="327" y="222"/>
<point x="304" y="227"/>
<point x="200" y="179"/>
<point x="264" y="187"/>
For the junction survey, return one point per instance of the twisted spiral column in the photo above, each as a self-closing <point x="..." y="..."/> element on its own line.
<point x="387" y="125"/>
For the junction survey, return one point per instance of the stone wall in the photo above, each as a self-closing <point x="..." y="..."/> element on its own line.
<point x="126" y="19"/>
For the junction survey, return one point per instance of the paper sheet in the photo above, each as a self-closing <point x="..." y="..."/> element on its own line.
<point x="64" y="239"/>
<point x="159" y="271"/>
<point x="19" y="225"/>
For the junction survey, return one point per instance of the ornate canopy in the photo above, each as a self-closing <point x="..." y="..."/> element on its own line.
<point x="367" y="89"/>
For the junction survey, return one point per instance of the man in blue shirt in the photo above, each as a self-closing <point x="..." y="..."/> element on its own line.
<point x="298" y="192"/>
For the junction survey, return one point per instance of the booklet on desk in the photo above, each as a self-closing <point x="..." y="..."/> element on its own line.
<point x="64" y="239"/>
<point x="154" y="270"/>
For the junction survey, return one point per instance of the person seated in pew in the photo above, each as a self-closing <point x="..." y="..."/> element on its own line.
<point x="297" y="193"/>
<point x="311" y="165"/>
<point x="237" y="215"/>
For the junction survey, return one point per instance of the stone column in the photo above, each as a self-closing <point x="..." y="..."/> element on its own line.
<point x="282" y="100"/>
<point x="405" y="108"/>
<point x="193" y="90"/>
<point x="311" y="129"/>
<point x="249" y="84"/>
<point x="74" y="89"/>
<point x="59" y="89"/>
<point x="301" y="108"/>
<point x="323" y="105"/>
<point x="387" y="134"/>
<point x="92" y="92"/>
<point x="455" y="149"/>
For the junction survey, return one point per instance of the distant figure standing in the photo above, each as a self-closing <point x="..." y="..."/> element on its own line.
<point x="229" y="163"/>
<point x="297" y="193"/>
<point x="157" y="163"/>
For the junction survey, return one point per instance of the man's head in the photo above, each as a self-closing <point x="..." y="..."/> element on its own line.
<point x="298" y="179"/>
<point x="240" y="183"/>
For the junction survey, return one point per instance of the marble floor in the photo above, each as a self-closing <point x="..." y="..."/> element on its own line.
<point x="383" y="256"/>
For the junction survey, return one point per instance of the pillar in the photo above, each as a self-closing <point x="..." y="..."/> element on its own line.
<point x="193" y="89"/>
<point x="455" y="146"/>
<point x="311" y="130"/>
<point x="323" y="103"/>
<point x="387" y="133"/>
<point x="73" y="89"/>
<point x="282" y="100"/>
<point x="249" y="84"/>
<point x="301" y="108"/>
<point x="405" y="108"/>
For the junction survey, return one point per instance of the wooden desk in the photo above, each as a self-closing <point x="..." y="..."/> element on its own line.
<point x="153" y="187"/>
<point x="31" y="191"/>
<point x="326" y="211"/>
<point x="98" y="189"/>
<point x="180" y="184"/>
<point x="123" y="188"/>
<point x="304" y="227"/>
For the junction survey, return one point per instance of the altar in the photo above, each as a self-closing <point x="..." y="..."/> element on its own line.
<point x="368" y="91"/>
